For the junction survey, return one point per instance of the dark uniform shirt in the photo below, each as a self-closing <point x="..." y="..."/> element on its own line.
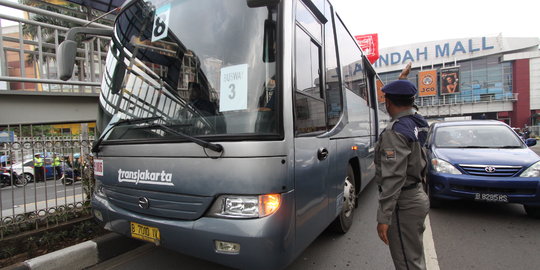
<point x="400" y="160"/>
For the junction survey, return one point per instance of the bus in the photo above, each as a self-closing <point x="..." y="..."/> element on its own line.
<point x="233" y="131"/>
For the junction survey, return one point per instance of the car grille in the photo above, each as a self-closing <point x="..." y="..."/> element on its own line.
<point x="160" y="204"/>
<point x="491" y="170"/>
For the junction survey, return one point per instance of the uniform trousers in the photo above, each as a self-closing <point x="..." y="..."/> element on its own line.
<point x="405" y="234"/>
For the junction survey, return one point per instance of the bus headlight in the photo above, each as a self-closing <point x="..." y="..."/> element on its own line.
<point x="442" y="166"/>
<point x="533" y="171"/>
<point x="235" y="206"/>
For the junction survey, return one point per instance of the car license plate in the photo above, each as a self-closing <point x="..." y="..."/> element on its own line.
<point x="146" y="233"/>
<point x="491" y="197"/>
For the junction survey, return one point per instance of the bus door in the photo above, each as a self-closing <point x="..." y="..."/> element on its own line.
<point x="311" y="149"/>
<point x="311" y="187"/>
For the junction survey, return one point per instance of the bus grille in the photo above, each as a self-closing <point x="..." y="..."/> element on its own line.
<point x="160" y="204"/>
<point x="491" y="170"/>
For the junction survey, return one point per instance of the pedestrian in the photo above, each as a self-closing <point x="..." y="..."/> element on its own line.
<point x="401" y="165"/>
<point x="38" y="168"/>
<point x="76" y="167"/>
<point x="526" y="133"/>
<point x="56" y="164"/>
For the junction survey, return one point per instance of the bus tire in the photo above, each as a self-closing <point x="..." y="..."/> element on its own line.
<point x="344" y="220"/>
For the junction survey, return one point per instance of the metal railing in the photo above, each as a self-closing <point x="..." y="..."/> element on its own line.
<point x="28" y="53"/>
<point x="34" y="197"/>
<point x="450" y="100"/>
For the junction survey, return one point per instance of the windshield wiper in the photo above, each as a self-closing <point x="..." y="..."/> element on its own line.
<point x="95" y="147"/>
<point x="203" y="143"/>
<point x="509" y="146"/>
<point x="474" y="146"/>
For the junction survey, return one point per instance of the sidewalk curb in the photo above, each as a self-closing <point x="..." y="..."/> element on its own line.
<point x="82" y="255"/>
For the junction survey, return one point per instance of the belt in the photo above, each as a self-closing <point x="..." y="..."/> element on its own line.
<point x="411" y="186"/>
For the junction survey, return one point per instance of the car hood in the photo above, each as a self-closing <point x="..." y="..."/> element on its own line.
<point x="490" y="156"/>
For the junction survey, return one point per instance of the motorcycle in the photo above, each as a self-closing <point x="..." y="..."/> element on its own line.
<point x="69" y="175"/>
<point x="7" y="177"/>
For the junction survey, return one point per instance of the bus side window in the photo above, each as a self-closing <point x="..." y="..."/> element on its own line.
<point x="309" y="106"/>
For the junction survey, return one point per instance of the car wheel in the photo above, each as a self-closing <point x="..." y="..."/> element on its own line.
<point x="344" y="220"/>
<point x="29" y="177"/>
<point x="433" y="202"/>
<point x="532" y="211"/>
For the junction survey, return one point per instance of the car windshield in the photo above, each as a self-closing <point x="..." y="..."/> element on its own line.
<point x="204" y="68"/>
<point x="479" y="136"/>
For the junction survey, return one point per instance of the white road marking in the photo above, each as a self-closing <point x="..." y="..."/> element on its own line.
<point x="432" y="263"/>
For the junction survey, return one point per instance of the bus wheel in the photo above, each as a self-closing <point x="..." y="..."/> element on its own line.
<point x="344" y="220"/>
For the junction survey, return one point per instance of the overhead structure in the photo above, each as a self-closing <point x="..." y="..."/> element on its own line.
<point x="101" y="5"/>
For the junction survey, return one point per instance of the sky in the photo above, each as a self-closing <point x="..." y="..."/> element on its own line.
<point x="11" y="12"/>
<point x="406" y="22"/>
<point x="414" y="21"/>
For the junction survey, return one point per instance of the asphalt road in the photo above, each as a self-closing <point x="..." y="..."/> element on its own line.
<point x="466" y="235"/>
<point x="44" y="195"/>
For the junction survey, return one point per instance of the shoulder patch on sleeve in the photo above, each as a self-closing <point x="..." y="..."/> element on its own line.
<point x="390" y="153"/>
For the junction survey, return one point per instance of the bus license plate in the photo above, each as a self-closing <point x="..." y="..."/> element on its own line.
<point x="491" y="197"/>
<point x="146" y="233"/>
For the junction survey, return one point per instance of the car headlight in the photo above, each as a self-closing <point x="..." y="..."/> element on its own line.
<point x="442" y="166"/>
<point x="233" y="206"/>
<point x="532" y="171"/>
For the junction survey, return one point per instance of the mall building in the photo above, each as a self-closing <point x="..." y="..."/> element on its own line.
<point x="472" y="78"/>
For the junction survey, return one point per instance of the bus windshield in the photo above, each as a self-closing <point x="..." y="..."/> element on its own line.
<point x="205" y="68"/>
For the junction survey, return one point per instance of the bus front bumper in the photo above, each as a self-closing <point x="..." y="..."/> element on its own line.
<point x="265" y="243"/>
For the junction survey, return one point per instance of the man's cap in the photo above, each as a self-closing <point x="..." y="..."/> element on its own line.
<point x="400" y="87"/>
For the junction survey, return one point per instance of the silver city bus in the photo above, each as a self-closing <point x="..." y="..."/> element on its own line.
<point x="234" y="131"/>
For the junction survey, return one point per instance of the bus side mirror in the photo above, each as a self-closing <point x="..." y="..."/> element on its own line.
<point x="67" y="50"/>
<point x="261" y="3"/>
<point x="65" y="57"/>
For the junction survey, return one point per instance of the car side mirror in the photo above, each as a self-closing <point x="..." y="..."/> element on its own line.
<point x="530" y="142"/>
<point x="67" y="50"/>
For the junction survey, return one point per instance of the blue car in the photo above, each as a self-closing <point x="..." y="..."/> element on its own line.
<point x="482" y="160"/>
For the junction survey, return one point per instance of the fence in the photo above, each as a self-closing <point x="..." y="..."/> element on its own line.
<point x="28" y="50"/>
<point x="33" y="198"/>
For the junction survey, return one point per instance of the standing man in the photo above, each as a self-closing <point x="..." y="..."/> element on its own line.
<point x="38" y="168"/>
<point x="400" y="169"/>
<point x="56" y="166"/>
